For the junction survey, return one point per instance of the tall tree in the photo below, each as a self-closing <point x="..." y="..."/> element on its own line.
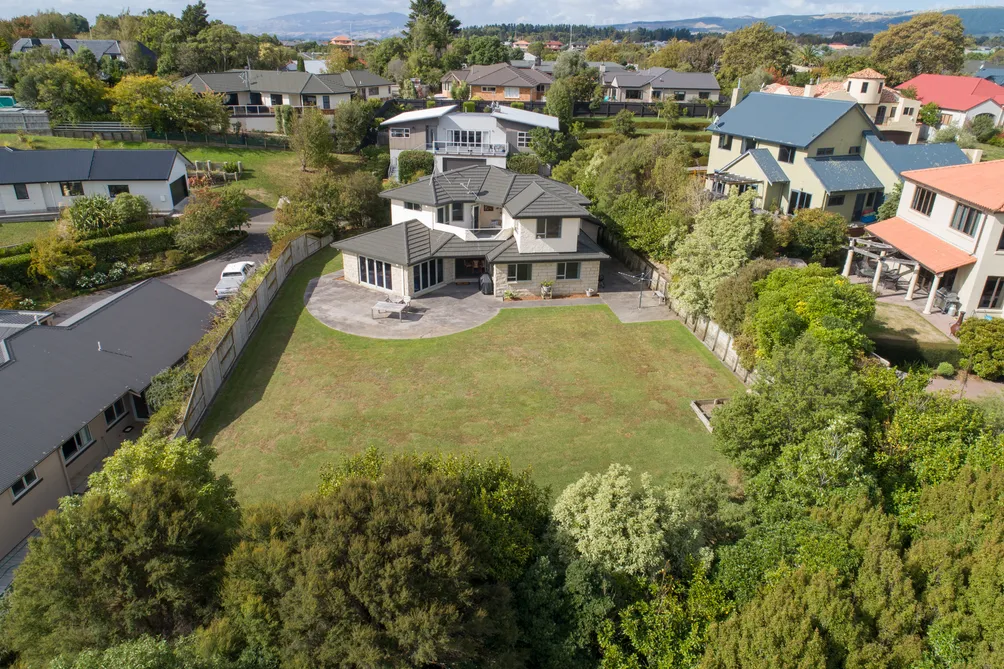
<point x="487" y="50"/>
<point x="752" y="47"/>
<point x="64" y="89"/>
<point x="311" y="138"/>
<point x="929" y="43"/>
<point x="703" y="55"/>
<point x="194" y="19"/>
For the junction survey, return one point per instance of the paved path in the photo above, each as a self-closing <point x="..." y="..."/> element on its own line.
<point x="975" y="387"/>
<point x="198" y="280"/>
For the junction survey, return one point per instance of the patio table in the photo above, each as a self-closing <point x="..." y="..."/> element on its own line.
<point x="389" y="307"/>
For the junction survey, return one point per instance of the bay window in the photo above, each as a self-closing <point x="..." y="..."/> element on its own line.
<point x="375" y="273"/>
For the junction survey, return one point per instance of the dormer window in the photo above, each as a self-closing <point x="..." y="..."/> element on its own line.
<point x="864" y="87"/>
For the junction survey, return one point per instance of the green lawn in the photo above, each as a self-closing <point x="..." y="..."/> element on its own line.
<point x="904" y="336"/>
<point x="561" y="390"/>
<point x="991" y="152"/>
<point x="19" y="233"/>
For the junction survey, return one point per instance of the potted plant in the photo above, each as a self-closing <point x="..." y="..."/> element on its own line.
<point x="545" y="289"/>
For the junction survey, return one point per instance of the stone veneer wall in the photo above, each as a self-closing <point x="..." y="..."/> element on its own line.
<point x="589" y="276"/>
<point x="398" y="277"/>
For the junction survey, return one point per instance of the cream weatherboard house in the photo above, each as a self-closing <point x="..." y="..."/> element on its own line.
<point x="804" y="152"/>
<point x="946" y="239"/>
<point x="462" y="225"/>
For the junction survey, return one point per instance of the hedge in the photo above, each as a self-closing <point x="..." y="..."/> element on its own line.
<point x="120" y="247"/>
<point x="17" y="249"/>
<point x="413" y="161"/>
<point x="14" y="269"/>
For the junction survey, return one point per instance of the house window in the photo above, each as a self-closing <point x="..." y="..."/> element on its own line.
<point x="523" y="139"/>
<point x="854" y="150"/>
<point x="141" y="409"/>
<point x="632" y="95"/>
<point x="77" y="443"/>
<point x="427" y="274"/>
<point x="870" y="200"/>
<point x="400" y="133"/>
<point x="1000" y="243"/>
<point x="946" y="119"/>
<point x="749" y="144"/>
<point x="375" y="273"/>
<point x="656" y="95"/>
<point x="540" y="88"/>
<point x="275" y="99"/>
<point x="864" y="87"/>
<point x="923" y="201"/>
<point x="115" y="412"/>
<point x="725" y="142"/>
<point x="892" y="113"/>
<point x="71" y="188"/>
<point x="828" y="151"/>
<point x="309" y="100"/>
<point x="549" y="228"/>
<point x="966" y="219"/>
<point x="880" y="86"/>
<point x="512" y="91"/>
<point x="373" y="90"/>
<point x="450" y="213"/>
<point x="908" y="111"/>
<point x="458" y="211"/>
<point x="466" y="137"/>
<point x="992" y="289"/>
<point x="24" y="484"/>
<point x="786" y="154"/>
<point x="519" y="272"/>
<point x="21" y="191"/>
<point x="679" y="96"/>
<point x="412" y="206"/>
<point x="487" y="89"/>
<point x="836" y="200"/>
<point x="568" y="270"/>
<point x="326" y="101"/>
<point x="799" y="200"/>
<point x="704" y="95"/>
<point x="848" y="87"/>
<point x="117" y="189"/>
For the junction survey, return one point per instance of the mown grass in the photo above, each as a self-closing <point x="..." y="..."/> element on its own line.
<point x="22" y="232"/>
<point x="563" y="391"/>
<point x="905" y="337"/>
<point x="991" y="152"/>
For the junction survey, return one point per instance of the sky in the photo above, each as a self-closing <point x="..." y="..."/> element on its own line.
<point x="474" y="12"/>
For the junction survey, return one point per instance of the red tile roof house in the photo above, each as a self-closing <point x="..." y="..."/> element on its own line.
<point x="960" y="99"/>
<point x="947" y="237"/>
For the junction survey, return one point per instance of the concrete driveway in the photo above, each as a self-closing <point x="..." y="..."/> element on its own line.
<point x="198" y="280"/>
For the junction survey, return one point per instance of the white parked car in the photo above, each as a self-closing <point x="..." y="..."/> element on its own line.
<point x="232" y="277"/>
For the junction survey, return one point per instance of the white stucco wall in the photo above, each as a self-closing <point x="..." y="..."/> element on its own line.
<point x="525" y="231"/>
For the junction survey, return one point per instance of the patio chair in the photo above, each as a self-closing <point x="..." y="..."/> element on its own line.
<point x="865" y="270"/>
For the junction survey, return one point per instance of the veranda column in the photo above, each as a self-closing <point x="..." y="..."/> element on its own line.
<point x="878" y="272"/>
<point x="930" y="296"/>
<point x="850" y="260"/>
<point x="913" y="283"/>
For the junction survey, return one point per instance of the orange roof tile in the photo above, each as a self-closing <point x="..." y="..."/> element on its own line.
<point x="935" y="254"/>
<point x="890" y="95"/>
<point x="867" y="73"/>
<point x="979" y="184"/>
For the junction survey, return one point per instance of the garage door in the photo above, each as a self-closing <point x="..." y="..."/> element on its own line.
<point x="179" y="190"/>
<point x="457" y="163"/>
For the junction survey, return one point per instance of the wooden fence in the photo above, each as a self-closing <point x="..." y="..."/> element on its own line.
<point x="224" y="357"/>
<point x="719" y="342"/>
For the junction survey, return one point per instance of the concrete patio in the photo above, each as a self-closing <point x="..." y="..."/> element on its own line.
<point x="348" y="308"/>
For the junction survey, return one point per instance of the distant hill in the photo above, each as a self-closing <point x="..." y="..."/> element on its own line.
<point x="325" y="25"/>
<point x="977" y="20"/>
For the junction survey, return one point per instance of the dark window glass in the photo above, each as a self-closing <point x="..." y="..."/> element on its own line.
<point x="21" y="191"/>
<point x="923" y="201"/>
<point x="548" y="228"/>
<point x="71" y="188"/>
<point x="836" y="200"/>
<point x="966" y="219"/>
<point x="991" y="297"/>
<point x="828" y="151"/>
<point x="568" y="270"/>
<point x="786" y="154"/>
<point x="725" y="142"/>
<point x="458" y="211"/>
<point x="114" y="190"/>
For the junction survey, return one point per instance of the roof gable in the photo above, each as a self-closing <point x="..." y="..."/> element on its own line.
<point x="53" y="165"/>
<point x="784" y="119"/>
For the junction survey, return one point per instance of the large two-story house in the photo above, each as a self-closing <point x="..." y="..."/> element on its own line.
<point x="896" y="115"/>
<point x="949" y="233"/>
<point x="501" y="82"/>
<point x="458" y="139"/>
<point x="519" y="229"/>
<point x="658" y="83"/>
<point x="802" y="152"/>
<point x="960" y="99"/>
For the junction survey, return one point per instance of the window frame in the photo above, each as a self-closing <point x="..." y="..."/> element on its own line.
<point x="21" y="192"/>
<point x="513" y="272"/>
<point x="561" y="271"/>
<point x="923" y="200"/>
<point x="400" y="133"/>
<point x="412" y="206"/>
<point x="836" y="200"/>
<point x="996" y="293"/>
<point x="118" y="414"/>
<point x="864" y="86"/>
<point x="80" y="444"/>
<point x="506" y="90"/>
<point x="488" y="89"/>
<point x="71" y="188"/>
<point x="547" y="221"/>
<point x="704" y="95"/>
<point x="376" y="273"/>
<point x="854" y="151"/>
<point x="725" y="142"/>
<point x="679" y="96"/>
<point x="799" y="199"/>
<point x="633" y="94"/>
<point x="825" y="151"/>
<point x="427" y="274"/>
<point x="26" y="485"/>
<point x="786" y="154"/>
<point x="118" y="190"/>
<point x="966" y="219"/>
<point x="522" y="139"/>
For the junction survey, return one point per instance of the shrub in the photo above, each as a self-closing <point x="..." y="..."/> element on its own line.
<point x="469" y="106"/>
<point x="208" y="217"/>
<point x="518" y="105"/>
<point x="129" y="244"/>
<point x="524" y="163"/>
<point x="131" y="209"/>
<point x="981" y="343"/>
<point x="59" y="259"/>
<point x="169" y="386"/>
<point x="231" y="166"/>
<point x="735" y="293"/>
<point x="623" y="123"/>
<point x="410" y="163"/>
<point x="174" y="257"/>
<point x="815" y="234"/>
<point x="945" y="369"/>
<point x="92" y="215"/>
<point x="16" y="249"/>
<point x="8" y="298"/>
<point x="14" y="269"/>
<point x="983" y="127"/>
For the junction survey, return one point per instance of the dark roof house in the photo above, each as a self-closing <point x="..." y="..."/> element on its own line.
<point x="55" y="165"/>
<point x="266" y="81"/>
<point x="500" y="74"/>
<point x="99" y="47"/>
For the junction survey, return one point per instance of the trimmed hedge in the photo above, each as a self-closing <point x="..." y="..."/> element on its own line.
<point x="120" y="247"/>
<point x="413" y="161"/>
<point x="14" y="269"/>
<point x="17" y="249"/>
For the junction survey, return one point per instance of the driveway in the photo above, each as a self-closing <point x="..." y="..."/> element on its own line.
<point x="198" y="280"/>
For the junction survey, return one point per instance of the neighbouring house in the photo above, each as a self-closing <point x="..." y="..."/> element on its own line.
<point x="31" y="121"/>
<point x="252" y="95"/>
<point x="993" y="74"/>
<point x="71" y="393"/>
<point x="367" y="85"/>
<point x="521" y="44"/>
<point x="892" y="112"/>
<point x="311" y="65"/>
<point x="839" y="46"/>
<point x="44" y="180"/>
<point x="519" y="229"/>
<point x="114" y="49"/>
<point x="801" y="152"/>
<point x="658" y="83"/>
<point x="462" y="139"/>
<point x="342" y="40"/>
<point x="500" y="82"/>
<point x="946" y="240"/>
<point x="960" y="99"/>
<point x="553" y="45"/>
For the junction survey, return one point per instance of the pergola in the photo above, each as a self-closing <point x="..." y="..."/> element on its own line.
<point x="888" y="255"/>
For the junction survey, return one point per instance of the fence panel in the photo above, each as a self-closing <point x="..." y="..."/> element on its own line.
<point x="227" y="351"/>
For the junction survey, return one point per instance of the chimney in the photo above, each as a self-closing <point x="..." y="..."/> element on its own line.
<point x="737" y="93"/>
<point x="810" y="89"/>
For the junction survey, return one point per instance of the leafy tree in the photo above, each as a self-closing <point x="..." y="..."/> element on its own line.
<point x="64" y="89"/>
<point x="726" y="235"/>
<point x="302" y="67"/>
<point x="59" y="259"/>
<point x="414" y="164"/>
<point x="670" y="56"/>
<point x="814" y="234"/>
<point x="704" y="54"/>
<point x="649" y="225"/>
<point x="141" y="553"/>
<point x="983" y="127"/>
<point x="487" y="50"/>
<point x="353" y="121"/>
<point x="930" y="114"/>
<point x="194" y="19"/>
<point x="189" y="111"/>
<point x="523" y="163"/>
<point x="143" y="101"/>
<point x="311" y="139"/>
<point x="328" y="201"/>
<point x="275" y="56"/>
<point x="669" y="110"/>
<point x="603" y="51"/>
<point x="953" y="133"/>
<point x="622" y="527"/>
<point x="337" y="61"/>
<point x="582" y="80"/>
<point x="536" y="48"/>
<point x="808" y="56"/>
<point x="560" y="103"/>
<point x="755" y="46"/>
<point x="890" y="205"/>
<point x="385" y="51"/>
<point x="460" y="91"/>
<point x="736" y="293"/>
<point x="8" y="298"/>
<point x="85" y="58"/>
<point x="930" y="42"/>
<point x="623" y="124"/>
<point x="209" y="216"/>
<point x="91" y="216"/>
<point x="981" y="343"/>
<point x="551" y="147"/>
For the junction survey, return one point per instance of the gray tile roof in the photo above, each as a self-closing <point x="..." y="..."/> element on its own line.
<point x="361" y="78"/>
<point x="401" y="244"/>
<point x="99" y="47"/>
<point x="266" y="81"/>
<point x="495" y="186"/>
<point x="57" y="379"/>
<point x="784" y="119"/>
<point x="904" y="157"/>
<point x="661" y="78"/>
<point x="500" y="74"/>
<point x="844" y="173"/>
<point x="458" y="248"/>
<point x="587" y="249"/>
<point x="53" y="165"/>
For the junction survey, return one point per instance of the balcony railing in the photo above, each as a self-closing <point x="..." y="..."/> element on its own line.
<point x="465" y="149"/>
<point x="242" y="111"/>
